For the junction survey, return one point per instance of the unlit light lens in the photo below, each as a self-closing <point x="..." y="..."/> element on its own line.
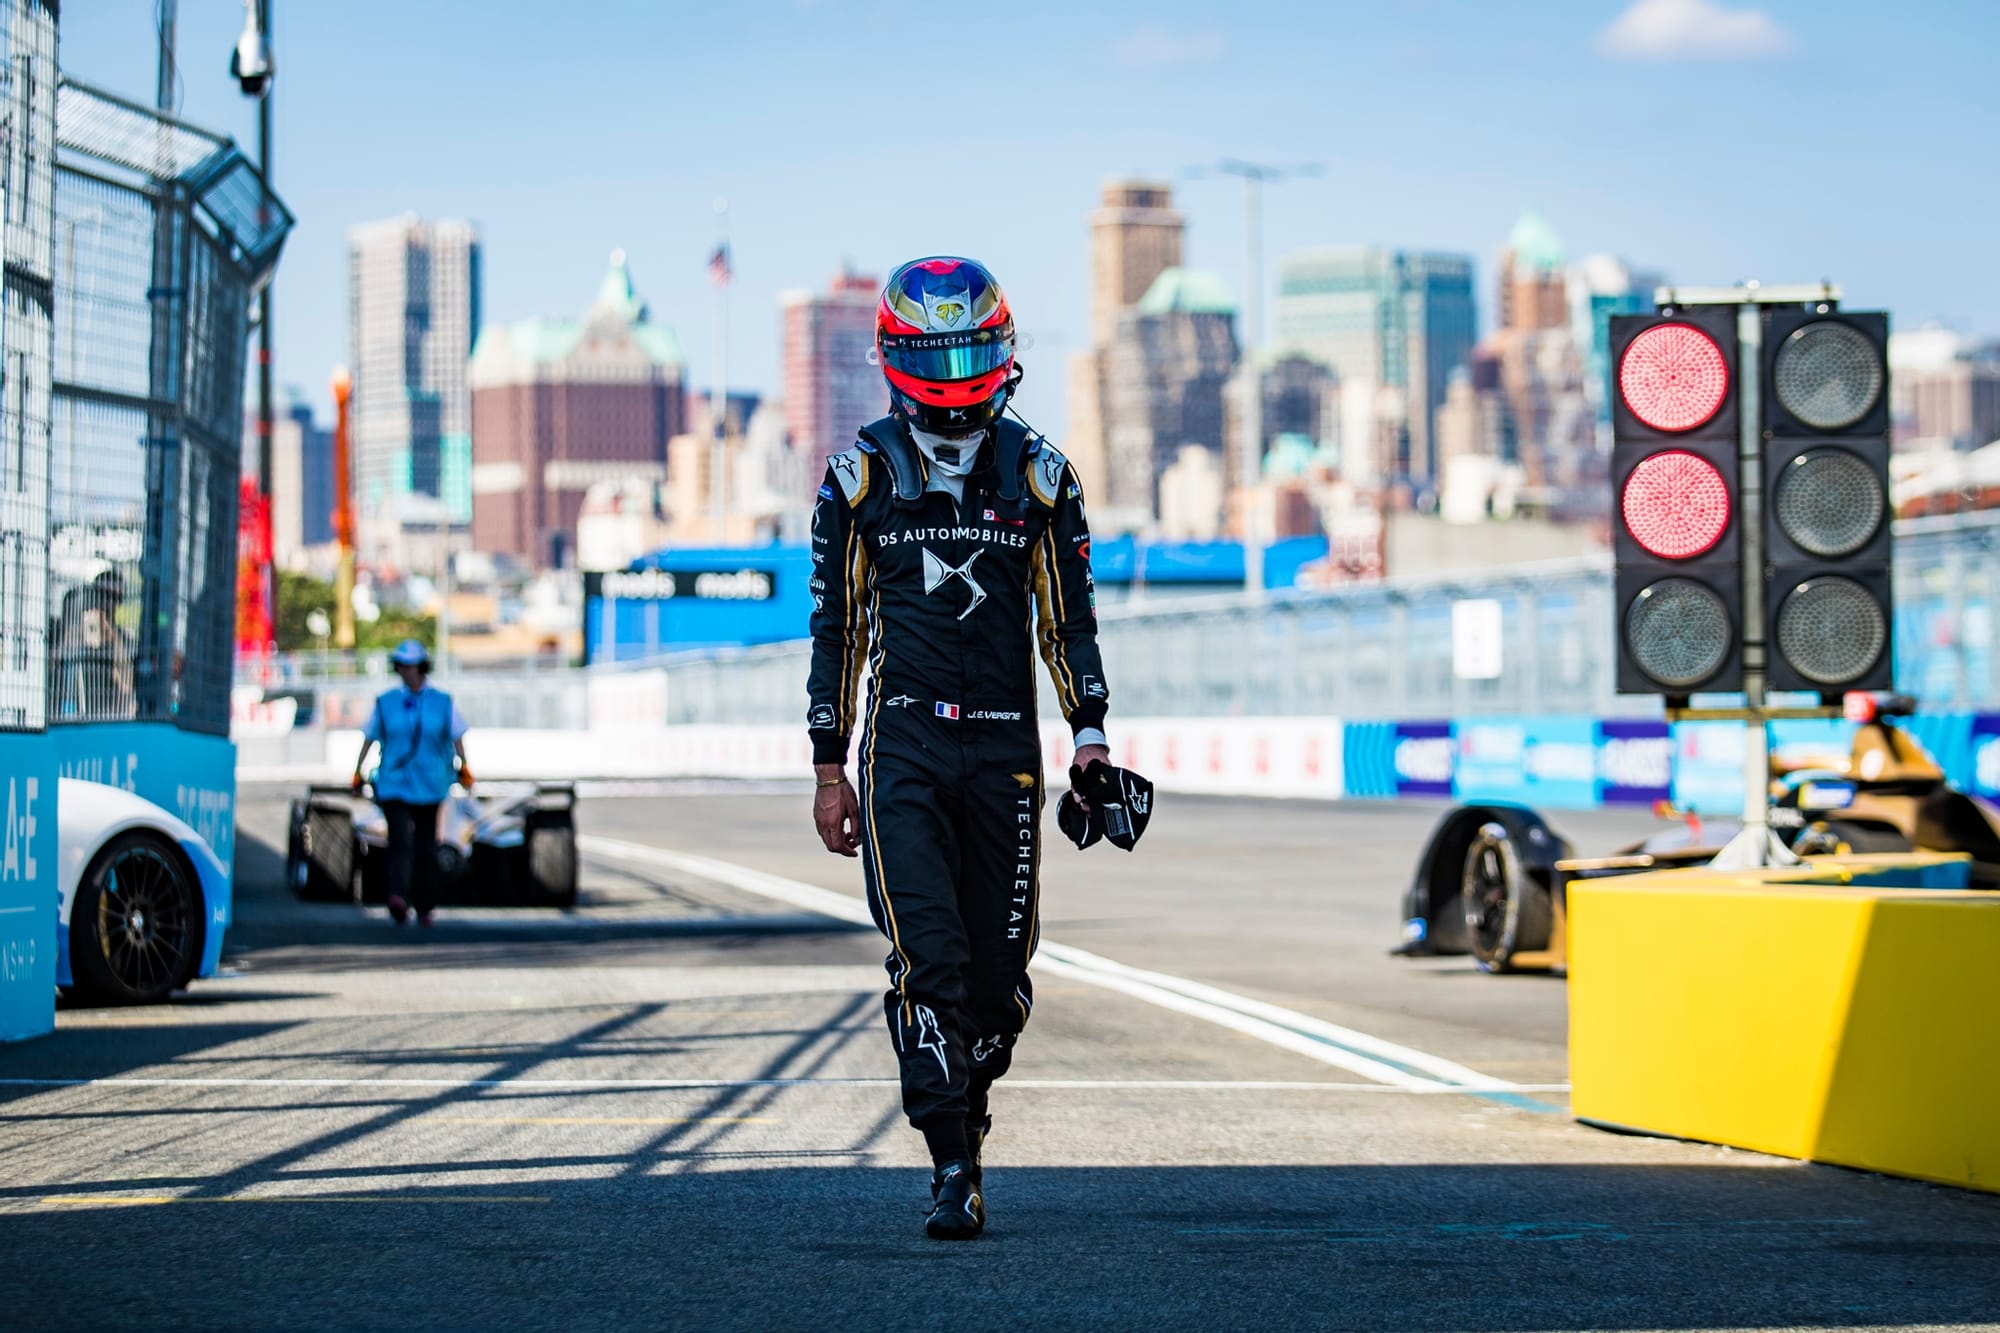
<point x="1832" y="630"/>
<point x="1678" y="632"/>
<point x="1829" y="502"/>
<point x="1828" y="375"/>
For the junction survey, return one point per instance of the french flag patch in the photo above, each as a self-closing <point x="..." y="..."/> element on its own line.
<point x="948" y="711"/>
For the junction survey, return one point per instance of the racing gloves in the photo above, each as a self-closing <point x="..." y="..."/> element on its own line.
<point x="1121" y="803"/>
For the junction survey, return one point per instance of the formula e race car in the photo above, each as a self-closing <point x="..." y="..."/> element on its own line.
<point x="512" y="845"/>
<point x="1493" y="880"/>
<point x="143" y="899"/>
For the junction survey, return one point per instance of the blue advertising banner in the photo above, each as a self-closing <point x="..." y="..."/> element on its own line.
<point x="188" y="774"/>
<point x="1708" y="767"/>
<point x="1985" y="775"/>
<point x="1423" y="759"/>
<point x="28" y="898"/>
<point x="1368" y="759"/>
<point x="1635" y="762"/>
<point x="1548" y="761"/>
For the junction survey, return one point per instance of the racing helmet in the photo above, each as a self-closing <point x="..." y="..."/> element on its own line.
<point x="944" y="335"/>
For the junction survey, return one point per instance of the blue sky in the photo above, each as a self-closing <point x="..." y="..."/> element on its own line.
<point x="875" y="130"/>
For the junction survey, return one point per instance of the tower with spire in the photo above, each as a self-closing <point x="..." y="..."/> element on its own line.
<point x="560" y="405"/>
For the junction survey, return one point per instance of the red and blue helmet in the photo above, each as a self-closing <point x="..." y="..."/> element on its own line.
<point x="945" y="337"/>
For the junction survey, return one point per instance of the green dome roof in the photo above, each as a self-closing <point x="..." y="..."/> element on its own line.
<point x="1194" y="290"/>
<point x="1534" y="243"/>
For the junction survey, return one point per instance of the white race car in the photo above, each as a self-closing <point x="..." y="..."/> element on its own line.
<point x="145" y="902"/>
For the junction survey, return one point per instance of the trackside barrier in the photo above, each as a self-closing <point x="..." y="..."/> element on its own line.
<point x="1562" y="762"/>
<point x="1234" y="756"/>
<point x="1838" y="1012"/>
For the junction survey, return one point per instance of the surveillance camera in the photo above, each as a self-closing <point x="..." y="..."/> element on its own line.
<point x="250" y="62"/>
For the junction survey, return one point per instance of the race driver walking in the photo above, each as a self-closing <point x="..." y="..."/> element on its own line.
<point x="946" y="542"/>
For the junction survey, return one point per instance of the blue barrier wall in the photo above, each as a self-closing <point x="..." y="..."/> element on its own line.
<point x="1578" y="762"/>
<point x="28" y="898"/>
<point x="186" y="773"/>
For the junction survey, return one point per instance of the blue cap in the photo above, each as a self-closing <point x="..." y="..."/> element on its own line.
<point x="410" y="653"/>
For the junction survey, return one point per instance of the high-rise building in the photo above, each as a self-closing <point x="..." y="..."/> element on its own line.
<point x="830" y="390"/>
<point x="1383" y="319"/>
<point x="1135" y="235"/>
<point x="301" y="478"/>
<point x="412" y="308"/>
<point x="1541" y="363"/>
<point x="1166" y="370"/>
<point x="1602" y="286"/>
<point x="559" y="405"/>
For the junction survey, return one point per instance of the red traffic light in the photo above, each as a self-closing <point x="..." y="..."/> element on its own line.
<point x="1673" y="377"/>
<point x="1675" y="504"/>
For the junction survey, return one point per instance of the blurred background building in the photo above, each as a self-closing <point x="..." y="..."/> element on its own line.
<point x="1166" y="369"/>
<point x="559" y="406"/>
<point x="1401" y="320"/>
<point x="830" y="390"/>
<point x="413" y="305"/>
<point x="1135" y="235"/>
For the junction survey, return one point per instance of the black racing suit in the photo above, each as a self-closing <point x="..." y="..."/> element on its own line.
<point x="944" y="600"/>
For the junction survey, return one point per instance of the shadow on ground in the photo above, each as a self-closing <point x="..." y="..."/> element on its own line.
<point x="1496" y="1247"/>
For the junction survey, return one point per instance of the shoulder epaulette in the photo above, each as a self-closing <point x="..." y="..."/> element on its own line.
<point x="1045" y="473"/>
<point x="850" y="470"/>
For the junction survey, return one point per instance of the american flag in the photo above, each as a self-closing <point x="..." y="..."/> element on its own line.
<point x="718" y="266"/>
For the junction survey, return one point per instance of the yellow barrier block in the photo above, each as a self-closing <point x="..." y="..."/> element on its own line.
<point x="1789" y="1012"/>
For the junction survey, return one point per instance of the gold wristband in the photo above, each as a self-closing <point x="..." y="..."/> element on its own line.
<point x="831" y="782"/>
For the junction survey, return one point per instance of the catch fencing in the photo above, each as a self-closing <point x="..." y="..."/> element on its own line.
<point x="162" y="235"/>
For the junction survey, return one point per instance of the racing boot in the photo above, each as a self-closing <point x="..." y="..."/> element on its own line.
<point x="976" y="1131"/>
<point x="957" y="1210"/>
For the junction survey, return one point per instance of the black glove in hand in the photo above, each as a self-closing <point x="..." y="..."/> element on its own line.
<point x="1120" y="804"/>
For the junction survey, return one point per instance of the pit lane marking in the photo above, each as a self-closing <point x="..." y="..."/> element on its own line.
<point x="1328" y="1043"/>
<point x="159" y="1200"/>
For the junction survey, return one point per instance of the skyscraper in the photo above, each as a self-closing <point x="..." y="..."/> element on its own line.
<point x="558" y="405"/>
<point x="830" y="390"/>
<point x="1135" y="235"/>
<point x="1541" y="365"/>
<point x="1166" y="370"/>
<point x="1379" y="318"/>
<point x="413" y="306"/>
<point x="1602" y="286"/>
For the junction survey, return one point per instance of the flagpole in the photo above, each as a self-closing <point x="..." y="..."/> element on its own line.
<point x="718" y="482"/>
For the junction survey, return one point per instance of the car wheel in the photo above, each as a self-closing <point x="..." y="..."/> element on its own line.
<point x="552" y="868"/>
<point x="1506" y="911"/>
<point x="136" y="923"/>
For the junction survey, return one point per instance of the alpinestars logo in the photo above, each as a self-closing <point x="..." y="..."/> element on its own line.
<point x="930" y="1038"/>
<point x="937" y="573"/>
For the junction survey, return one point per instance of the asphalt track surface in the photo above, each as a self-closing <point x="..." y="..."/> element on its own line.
<point x="674" y="1108"/>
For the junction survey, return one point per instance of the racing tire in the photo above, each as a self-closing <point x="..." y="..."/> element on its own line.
<point x="1847" y="837"/>
<point x="136" y="923"/>
<point x="552" y="869"/>
<point x="1507" y="911"/>
<point x="324" y="872"/>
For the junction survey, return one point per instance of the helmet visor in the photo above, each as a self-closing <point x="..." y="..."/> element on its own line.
<point x="949" y="356"/>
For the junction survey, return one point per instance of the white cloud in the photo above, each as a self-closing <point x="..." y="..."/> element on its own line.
<point x="1152" y="46"/>
<point x="1692" y="30"/>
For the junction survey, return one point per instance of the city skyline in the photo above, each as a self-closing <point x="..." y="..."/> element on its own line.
<point x="1605" y="103"/>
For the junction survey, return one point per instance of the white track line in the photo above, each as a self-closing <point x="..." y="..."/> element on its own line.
<point x="710" y="1084"/>
<point x="1329" y="1043"/>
